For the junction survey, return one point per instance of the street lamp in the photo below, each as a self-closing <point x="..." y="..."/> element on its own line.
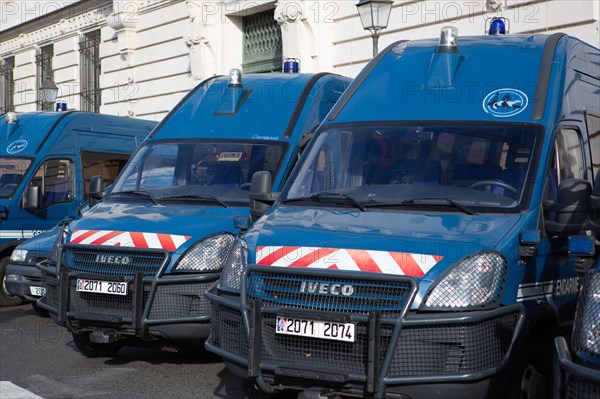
<point x="374" y="16"/>
<point x="49" y="92"/>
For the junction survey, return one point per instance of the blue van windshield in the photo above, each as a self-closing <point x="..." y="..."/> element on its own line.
<point x="192" y="170"/>
<point x="12" y="171"/>
<point x="481" y="166"/>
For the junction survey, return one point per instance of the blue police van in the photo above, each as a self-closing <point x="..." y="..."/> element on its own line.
<point x="47" y="160"/>
<point x="133" y="269"/>
<point x="418" y="249"/>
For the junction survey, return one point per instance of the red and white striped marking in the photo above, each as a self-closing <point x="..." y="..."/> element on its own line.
<point x="399" y="263"/>
<point x="169" y="242"/>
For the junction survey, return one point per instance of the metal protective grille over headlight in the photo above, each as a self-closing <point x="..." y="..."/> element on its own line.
<point x="232" y="273"/>
<point x="586" y="335"/>
<point x="474" y="283"/>
<point x="208" y="255"/>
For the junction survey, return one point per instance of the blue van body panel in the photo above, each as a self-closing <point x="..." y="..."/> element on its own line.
<point x="403" y="73"/>
<point x="267" y="96"/>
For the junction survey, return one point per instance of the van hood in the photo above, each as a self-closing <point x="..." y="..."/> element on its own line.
<point x="416" y="244"/>
<point x="172" y="227"/>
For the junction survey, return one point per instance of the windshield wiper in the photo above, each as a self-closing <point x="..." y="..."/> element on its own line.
<point x="202" y="198"/>
<point x="424" y="202"/>
<point x="140" y="194"/>
<point x="327" y="196"/>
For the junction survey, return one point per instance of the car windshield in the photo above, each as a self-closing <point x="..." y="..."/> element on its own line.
<point x="214" y="172"/>
<point x="12" y="171"/>
<point x="470" y="167"/>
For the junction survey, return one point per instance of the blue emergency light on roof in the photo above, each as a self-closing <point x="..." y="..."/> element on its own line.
<point x="497" y="26"/>
<point x="291" y="65"/>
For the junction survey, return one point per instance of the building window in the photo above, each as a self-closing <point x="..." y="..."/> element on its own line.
<point x="7" y="85"/>
<point x="89" y="47"/>
<point x="43" y="60"/>
<point x="263" y="46"/>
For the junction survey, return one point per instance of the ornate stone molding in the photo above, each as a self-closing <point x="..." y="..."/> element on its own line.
<point x="200" y="39"/>
<point x="290" y="15"/>
<point x="494" y="6"/>
<point x="80" y="22"/>
<point x="123" y="20"/>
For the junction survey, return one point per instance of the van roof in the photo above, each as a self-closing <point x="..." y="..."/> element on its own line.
<point x="267" y="104"/>
<point x="33" y="127"/>
<point x="411" y="81"/>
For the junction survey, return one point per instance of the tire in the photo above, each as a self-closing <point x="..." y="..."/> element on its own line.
<point x="6" y="298"/>
<point x="40" y="311"/>
<point x="92" y="349"/>
<point x="532" y="378"/>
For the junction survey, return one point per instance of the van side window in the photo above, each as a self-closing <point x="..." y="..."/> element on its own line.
<point x="55" y="180"/>
<point x="569" y="155"/>
<point x="567" y="162"/>
<point x="105" y="164"/>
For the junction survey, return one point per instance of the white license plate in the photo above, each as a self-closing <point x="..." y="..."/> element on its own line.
<point x="102" y="287"/>
<point x="315" y="329"/>
<point x="37" y="291"/>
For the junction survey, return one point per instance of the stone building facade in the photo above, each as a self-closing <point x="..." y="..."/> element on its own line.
<point x="140" y="57"/>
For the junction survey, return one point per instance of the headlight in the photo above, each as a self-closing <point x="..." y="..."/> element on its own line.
<point x="474" y="283"/>
<point x="586" y="334"/>
<point x="209" y="255"/>
<point x="19" y="255"/>
<point x="231" y="277"/>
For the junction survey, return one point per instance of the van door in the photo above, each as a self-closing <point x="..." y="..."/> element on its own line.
<point x="54" y="182"/>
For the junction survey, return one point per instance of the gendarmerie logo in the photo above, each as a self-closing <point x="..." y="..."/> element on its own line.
<point x="112" y="259"/>
<point x="309" y="287"/>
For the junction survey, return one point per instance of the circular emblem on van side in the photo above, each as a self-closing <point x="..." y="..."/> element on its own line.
<point x="503" y="103"/>
<point x="16" y="146"/>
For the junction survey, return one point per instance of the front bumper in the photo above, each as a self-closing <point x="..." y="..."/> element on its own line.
<point x="572" y="380"/>
<point x="156" y="306"/>
<point x="24" y="281"/>
<point x="409" y="355"/>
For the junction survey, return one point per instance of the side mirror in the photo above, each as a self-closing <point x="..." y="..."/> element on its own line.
<point x="32" y="198"/>
<point x="96" y="191"/>
<point x="261" y="197"/>
<point x="570" y="211"/>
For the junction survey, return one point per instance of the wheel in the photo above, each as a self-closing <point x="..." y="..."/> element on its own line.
<point x="40" y="311"/>
<point x="92" y="349"/>
<point x="497" y="183"/>
<point x="532" y="378"/>
<point x="6" y="298"/>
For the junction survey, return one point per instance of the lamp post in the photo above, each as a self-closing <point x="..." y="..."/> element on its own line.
<point x="374" y="16"/>
<point x="48" y="92"/>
